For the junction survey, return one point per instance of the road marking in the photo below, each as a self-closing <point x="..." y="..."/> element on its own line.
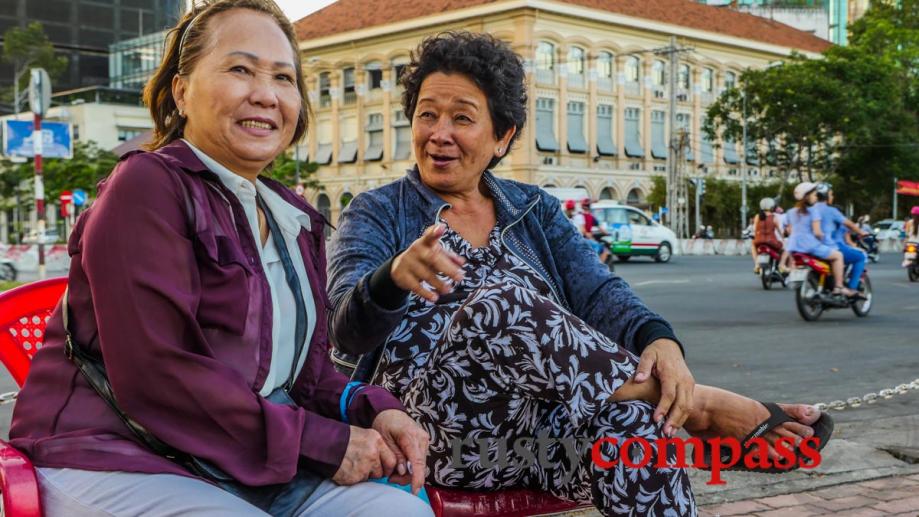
<point x="651" y="282"/>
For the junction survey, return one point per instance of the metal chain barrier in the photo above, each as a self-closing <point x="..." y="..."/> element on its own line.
<point x="869" y="398"/>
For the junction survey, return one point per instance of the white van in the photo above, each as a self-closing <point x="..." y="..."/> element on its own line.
<point x="633" y="233"/>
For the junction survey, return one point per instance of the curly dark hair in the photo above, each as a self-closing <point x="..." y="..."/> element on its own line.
<point x="487" y="61"/>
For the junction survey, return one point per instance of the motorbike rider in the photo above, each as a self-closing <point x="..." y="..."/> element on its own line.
<point x="808" y="237"/>
<point x="587" y="225"/>
<point x="834" y="225"/>
<point x="766" y="230"/>
<point x="912" y="225"/>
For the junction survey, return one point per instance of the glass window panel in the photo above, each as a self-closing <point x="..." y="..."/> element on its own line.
<point x="633" y="147"/>
<point x="606" y="145"/>
<point x="658" y="135"/>
<point x="577" y="143"/>
<point x="545" y="125"/>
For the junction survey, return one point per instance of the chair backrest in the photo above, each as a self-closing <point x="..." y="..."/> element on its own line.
<point x="24" y="312"/>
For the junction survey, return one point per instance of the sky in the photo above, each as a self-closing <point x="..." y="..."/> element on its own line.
<point x="296" y="9"/>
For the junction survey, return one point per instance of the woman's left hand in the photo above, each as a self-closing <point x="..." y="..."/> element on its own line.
<point x="409" y="442"/>
<point x="663" y="359"/>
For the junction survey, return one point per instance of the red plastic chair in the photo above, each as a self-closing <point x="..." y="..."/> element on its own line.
<point x="24" y="311"/>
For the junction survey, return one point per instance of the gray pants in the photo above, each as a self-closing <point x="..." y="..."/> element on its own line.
<point x="84" y="493"/>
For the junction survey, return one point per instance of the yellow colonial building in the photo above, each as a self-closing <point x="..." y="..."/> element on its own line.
<point x="598" y="92"/>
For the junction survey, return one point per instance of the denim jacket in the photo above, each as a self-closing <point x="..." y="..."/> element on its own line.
<point x="380" y="223"/>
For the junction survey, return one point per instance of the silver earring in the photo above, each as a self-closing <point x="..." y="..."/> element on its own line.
<point x="181" y="113"/>
<point x="500" y="150"/>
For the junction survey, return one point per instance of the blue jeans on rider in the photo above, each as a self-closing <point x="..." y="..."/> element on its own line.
<point x="856" y="257"/>
<point x="597" y="246"/>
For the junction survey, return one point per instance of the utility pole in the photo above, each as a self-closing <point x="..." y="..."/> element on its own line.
<point x="677" y="214"/>
<point x="39" y="101"/>
<point x="894" y="199"/>
<point x="743" y="168"/>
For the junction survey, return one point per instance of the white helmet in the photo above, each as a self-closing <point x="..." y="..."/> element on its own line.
<point x="803" y="189"/>
<point x="767" y="203"/>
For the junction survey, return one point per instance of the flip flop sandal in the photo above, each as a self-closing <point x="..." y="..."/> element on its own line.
<point x="823" y="429"/>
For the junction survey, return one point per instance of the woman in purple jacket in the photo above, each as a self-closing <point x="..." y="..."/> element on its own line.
<point x="181" y="274"/>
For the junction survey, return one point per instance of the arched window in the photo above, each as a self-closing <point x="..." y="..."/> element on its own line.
<point x="659" y="73"/>
<point x="730" y="80"/>
<point x="345" y="199"/>
<point x="708" y="80"/>
<point x="325" y="90"/>
<point x="545" y="62"/>
<point x="684" y="77"/>
<point x="608" y="193"/>
<point x="635" y="197"/>
<point x="576" y="64"/>
<point x="605" y="65"/>
<point x="325" y="208"/>
<point x="632" y="69"/>
<point x="576" y="61"/>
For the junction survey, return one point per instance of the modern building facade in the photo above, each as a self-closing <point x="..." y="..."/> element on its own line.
<point x="133" y="61"/>
<point x="827" y="19"/>
<point x="83" y="30"/>
<point x="598" y="94"/>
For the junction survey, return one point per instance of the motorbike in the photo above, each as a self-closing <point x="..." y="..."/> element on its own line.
<point x="767" y="259"/>
<point x="911" y="260"/>
<point x="813" y="282"/>
<point x="7" y="270"/>
<point x="869" y="244"/>
<point x="607" y="241"/>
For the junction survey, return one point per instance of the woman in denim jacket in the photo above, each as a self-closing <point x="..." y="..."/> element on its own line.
<point x="482" y="308"/>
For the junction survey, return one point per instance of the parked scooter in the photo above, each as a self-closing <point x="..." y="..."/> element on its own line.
<point x="911" y="260"/>
<point x="768" y="261"/>
<point x="813" y="282"/>
<point x="7" y="270"/>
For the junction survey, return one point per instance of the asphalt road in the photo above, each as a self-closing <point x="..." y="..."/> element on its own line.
<point x="739" y="337"/>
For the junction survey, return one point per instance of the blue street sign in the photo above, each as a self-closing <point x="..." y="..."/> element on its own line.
<point x="56" y="139"/>
<point x="665" y="210"/>
<point x="79" y="197"/>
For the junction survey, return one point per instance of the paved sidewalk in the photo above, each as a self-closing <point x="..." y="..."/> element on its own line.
<point x="890" y="496"/>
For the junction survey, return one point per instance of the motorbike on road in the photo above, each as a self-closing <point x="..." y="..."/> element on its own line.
<point x="813" y="282"/>
<point x="768" y="261"/>
<point x="911" y="260"/>
<point x="869" y="244"/>
<point x="608" y="242"/>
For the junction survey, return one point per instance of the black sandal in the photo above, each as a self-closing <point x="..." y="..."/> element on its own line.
<point x="823" y="429"/>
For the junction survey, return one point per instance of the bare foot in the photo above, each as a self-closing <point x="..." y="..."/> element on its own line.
<point x="721" y="413"/>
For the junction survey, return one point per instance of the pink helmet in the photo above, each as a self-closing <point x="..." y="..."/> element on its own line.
<point x="914" y="211"/>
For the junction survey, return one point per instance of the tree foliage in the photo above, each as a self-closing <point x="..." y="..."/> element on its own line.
<point x="849" y="116"/>
<point x="30" y="48"/>
<point x="89" y="165"/>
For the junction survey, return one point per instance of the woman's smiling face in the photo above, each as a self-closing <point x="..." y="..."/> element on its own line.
<point x="453" y="134"/>
<point x="241" y="99"/>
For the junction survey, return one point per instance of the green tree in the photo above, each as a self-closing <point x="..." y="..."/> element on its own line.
<point x="89" y="165"/>
<point x="28" y="48"/>
<point x="850" y="115"/>
<point x="284" y="169"/>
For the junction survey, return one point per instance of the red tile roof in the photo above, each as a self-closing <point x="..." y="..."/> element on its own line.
<point x="350" y="15"/>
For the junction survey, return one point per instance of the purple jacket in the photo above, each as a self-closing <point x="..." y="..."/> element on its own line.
<point x="182" y="317"/>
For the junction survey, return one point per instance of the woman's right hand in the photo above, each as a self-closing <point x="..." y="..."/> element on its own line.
<point x="423" y="261"/>
<point x="367" y="457"/>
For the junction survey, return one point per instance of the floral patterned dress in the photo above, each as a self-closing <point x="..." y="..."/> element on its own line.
<point x="513" y="390"/>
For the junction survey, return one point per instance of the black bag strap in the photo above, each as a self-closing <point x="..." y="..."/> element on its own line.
<point x="93" y="370"/>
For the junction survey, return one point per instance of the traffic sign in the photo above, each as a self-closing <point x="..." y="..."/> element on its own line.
<point x="79" y="197"/>
<point x="39" y="92"/>
<point x="66" y="199"/>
